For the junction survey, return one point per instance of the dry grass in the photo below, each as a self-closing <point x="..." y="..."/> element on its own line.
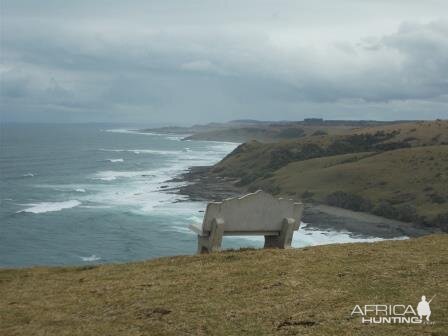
<point x="309" y="291"/>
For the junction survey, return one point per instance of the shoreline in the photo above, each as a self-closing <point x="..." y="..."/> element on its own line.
<point x="203" y="186"/>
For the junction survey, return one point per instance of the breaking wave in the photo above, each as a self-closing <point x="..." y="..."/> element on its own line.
<point x="43" y="207"/>
<point x="91" y="258"/>
<point x="143" y="151"/>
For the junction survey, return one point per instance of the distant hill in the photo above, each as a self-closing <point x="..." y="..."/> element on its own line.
<point x="267" y="131"/>
<point x="284" y="130"/>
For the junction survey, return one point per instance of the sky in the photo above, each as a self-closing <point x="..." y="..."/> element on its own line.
<point x="197" y="61"/>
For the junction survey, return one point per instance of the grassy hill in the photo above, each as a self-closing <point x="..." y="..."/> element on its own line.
<point x="413" y="182"/>
<point x="308" y="291"/>
<point x="398" y="171"/>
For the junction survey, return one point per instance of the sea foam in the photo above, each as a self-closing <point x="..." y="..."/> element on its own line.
<point x="142" y="151"/>
<point x="308" y="236"/>
<point x="43" y="207"/>
<point x="142" y="191"/>
<point x="168" y="136"/>
<point x="110" y="175"/>
<point x="91" y="258"/>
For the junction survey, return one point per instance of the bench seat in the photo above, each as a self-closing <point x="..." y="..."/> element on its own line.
<point x="255" y="214"/>
<point x="198" y="229"/>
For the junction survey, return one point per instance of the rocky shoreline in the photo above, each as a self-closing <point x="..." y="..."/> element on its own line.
<point x="201" y="185"/>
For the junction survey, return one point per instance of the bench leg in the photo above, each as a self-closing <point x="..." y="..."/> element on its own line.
<point x="203" y="244"/>
<point x="212" y="242"/>
<point x="284" y="239"/>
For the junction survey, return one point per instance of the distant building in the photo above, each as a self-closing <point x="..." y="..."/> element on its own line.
<point x="313" y="120"/>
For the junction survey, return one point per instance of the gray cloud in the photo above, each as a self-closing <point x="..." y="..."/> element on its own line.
<point x="187" y="62"/>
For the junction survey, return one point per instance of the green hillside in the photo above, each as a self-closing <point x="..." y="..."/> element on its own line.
<point x="412" y="182"/>
<point x="396" y="171"/>
<point x="309" y="291"/>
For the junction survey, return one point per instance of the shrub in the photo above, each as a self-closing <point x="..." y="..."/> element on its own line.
<point x="307" y="194"/>
<point x="392" y="146"/>
<point x="281" y="157"/>
<point x="436" y="198"/>
<point x="385" y="209"/>
<point x="246" y="179"/>
<point x="407" y="213"/>
<point x="408" y="139"/>
<point x="350" y="201"/>
<point x="404" y="213"/>
<point x="272" y="189"/>
<point x="441" y="221"/>
<point x="253" y="188"/>
<point x="319" y="132"/>
<point x="310" y="151"/>
<point x="364" y="143"/>
<point x="268" y="175"/>
<point x="291" y="132"/>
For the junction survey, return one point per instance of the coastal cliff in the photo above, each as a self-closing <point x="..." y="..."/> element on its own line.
<point x="396" y="171"/>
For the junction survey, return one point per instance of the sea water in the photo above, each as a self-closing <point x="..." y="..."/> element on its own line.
<point x="77" y="194"/>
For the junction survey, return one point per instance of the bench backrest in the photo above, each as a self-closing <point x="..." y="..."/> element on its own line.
<point x="256" y="212"/>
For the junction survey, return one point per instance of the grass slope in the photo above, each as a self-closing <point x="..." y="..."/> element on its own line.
<point x="412" y="176"/>
<point x="309" y="291"/>
<point x="405" y="166"/>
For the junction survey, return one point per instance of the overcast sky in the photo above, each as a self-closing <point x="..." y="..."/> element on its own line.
<point x="197" y="61"/>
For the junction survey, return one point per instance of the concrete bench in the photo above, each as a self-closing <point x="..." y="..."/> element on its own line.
<point x="254" y="214"/>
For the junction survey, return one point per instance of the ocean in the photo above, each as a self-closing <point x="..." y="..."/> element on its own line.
<point x="75" y="194"/>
